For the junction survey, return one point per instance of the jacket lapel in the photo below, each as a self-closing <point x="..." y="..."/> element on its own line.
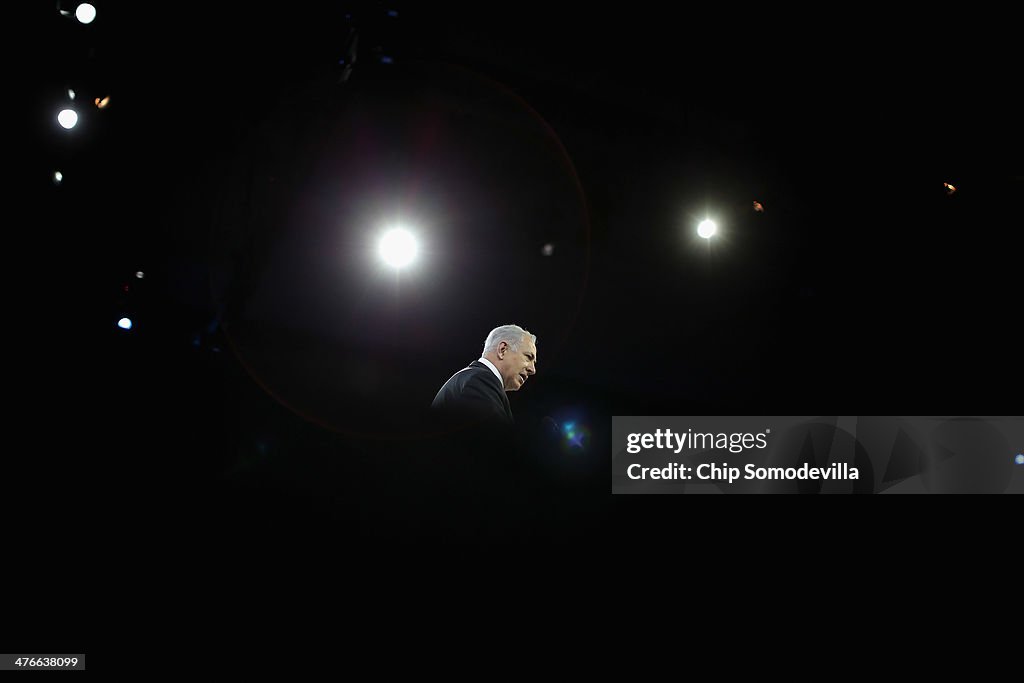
<point x="501" y="389"/>
<point x="508" y="406"/>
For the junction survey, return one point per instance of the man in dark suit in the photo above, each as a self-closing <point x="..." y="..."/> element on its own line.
<point x="477" y="392"/>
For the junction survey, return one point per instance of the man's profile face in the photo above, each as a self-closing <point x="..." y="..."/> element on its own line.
<point x="517" y="366"/>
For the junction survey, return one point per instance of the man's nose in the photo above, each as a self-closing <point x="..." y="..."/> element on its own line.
<point x="531" y="369"/>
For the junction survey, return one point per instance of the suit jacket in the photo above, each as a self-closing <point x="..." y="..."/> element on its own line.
<point x="474" y="393"/>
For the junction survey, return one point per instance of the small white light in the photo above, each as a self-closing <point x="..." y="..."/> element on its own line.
<point x="548" y="249"/>
<point x="1019" y="459"/>
<point x="58" y="177"/>
<point x="398" y="248"/>
<point x="71" y="94"/>
<point x="124" y="324"/>
<point x="85" y="13"/>
<point x="706" y="228"/>
<point x="67" y="118"/>
<point x="140" y="275"/>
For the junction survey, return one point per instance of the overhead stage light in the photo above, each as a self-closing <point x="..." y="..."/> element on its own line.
<point x="124" y="324"/>
<point x="707" y="228"/>
<point x="67" y="118"/>
<point x="85" y="13"/>
<point x="398" y="248"/>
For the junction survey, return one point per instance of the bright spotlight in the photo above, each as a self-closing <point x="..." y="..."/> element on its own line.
<point x="58" y="177"/>
<point x="85" y="13"/>
<point x="71" y="94"/>
<point x="140" y="274"/>
<point x="398" y="248"/>
<point x="706" y="228"/>
<point x="67" y="118"/>
<point x="124" y="324"/>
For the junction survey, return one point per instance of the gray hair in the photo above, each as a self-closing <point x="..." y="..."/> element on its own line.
<point x="511" y="334"/>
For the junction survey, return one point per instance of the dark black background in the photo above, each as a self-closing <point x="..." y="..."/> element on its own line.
<point x="237" y="171"/>
<point x="273" y="391"/>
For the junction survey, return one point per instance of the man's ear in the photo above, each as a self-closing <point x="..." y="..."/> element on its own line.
<point x="502" y="348"/>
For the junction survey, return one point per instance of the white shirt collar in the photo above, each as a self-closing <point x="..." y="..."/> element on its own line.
<point x="494" y="370"/>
